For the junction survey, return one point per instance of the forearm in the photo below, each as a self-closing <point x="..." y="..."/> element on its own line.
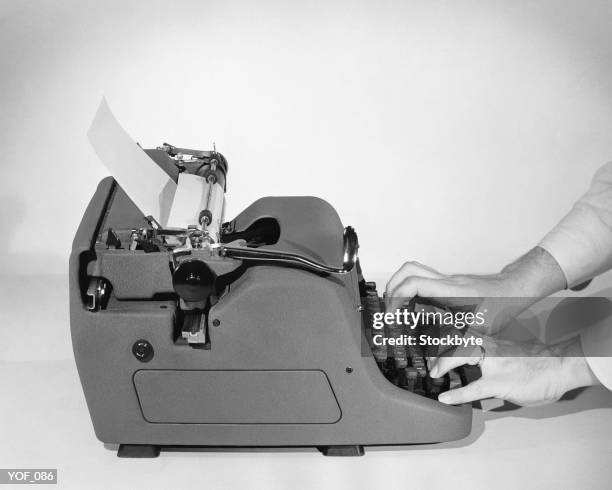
<point x="534" y="275"/>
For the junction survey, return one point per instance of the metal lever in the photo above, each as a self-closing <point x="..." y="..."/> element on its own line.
<point x="351" y="245"/>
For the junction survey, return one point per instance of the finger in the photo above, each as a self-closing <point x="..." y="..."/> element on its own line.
<point x="418" y="286"/>
<point x="476" y="390"/>
<point x="431" y="361"/>
<point x="411" y="269"/>
<point x="464" y="354"/>
<point x="395" y="298"/>
<point x="443" y="365"/>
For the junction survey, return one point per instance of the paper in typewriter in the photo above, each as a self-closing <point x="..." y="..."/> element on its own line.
<point x="151" y="189"/>
<point x="189" y="199"/>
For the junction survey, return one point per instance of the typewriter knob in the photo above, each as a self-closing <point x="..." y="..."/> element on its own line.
<point x="142" y="350"/>
<point x="194" y="280"/>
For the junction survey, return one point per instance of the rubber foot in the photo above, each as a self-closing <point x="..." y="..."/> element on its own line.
<point x="341" y="450"/>
<point x="138" y="451"/>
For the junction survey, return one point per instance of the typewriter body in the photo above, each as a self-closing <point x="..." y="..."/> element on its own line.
<point x="253" y="332"/>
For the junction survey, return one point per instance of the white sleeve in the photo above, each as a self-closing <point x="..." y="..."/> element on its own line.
<point x="596" y="344"/>
<point x="582" y="242"/>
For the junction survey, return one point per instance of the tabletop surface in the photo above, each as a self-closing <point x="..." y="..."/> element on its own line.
<point x="44" y="423"/>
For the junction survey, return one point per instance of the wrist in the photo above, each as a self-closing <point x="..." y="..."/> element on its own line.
<point x="575" y="371"/>
<point x="534" y="275"/>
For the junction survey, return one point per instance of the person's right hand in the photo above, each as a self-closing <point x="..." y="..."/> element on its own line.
<point x="525" y="374"/>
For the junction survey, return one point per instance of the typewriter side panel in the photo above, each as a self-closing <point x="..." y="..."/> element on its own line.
<point x="372" y="411"/>
<point x="295" y="336"/>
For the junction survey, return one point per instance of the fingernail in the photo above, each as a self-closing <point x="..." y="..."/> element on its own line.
<point x="433" y="372"/>
<point x="444" y="398"/>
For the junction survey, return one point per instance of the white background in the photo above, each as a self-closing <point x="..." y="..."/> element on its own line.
<point x="453" y="133"/>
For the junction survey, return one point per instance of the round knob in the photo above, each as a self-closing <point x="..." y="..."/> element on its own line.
<point x="143" y="350"/>
<point x="194" y="280"/>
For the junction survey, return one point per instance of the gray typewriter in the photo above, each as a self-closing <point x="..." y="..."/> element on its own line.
<point x="250" y="332"/>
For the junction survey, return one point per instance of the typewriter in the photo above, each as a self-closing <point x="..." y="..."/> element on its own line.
<point x="251" y="332"/>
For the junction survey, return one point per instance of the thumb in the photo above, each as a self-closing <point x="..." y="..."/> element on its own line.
<point x="476" y="390"/>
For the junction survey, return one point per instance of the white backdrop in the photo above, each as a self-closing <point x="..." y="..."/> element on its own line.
<point x="454" y="133"/>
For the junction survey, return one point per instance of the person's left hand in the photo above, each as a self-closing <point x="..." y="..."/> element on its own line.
<point x="523" y="374"/>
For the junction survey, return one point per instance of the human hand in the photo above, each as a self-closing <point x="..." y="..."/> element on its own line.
<point x="492" y="294"/>
<point x="521" y="373"/>
<point x="416" y="279"/>
<point x="505" y="295"/>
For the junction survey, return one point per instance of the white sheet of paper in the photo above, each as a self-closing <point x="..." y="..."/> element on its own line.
<point x="188" y="201"/>
<point x="151" y="189"/>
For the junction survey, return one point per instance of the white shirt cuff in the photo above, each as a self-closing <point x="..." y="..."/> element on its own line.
<point x="596" y="344"/>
